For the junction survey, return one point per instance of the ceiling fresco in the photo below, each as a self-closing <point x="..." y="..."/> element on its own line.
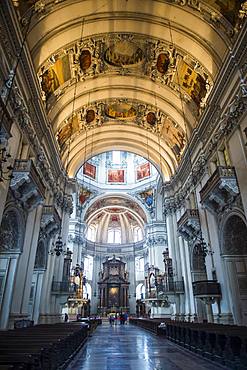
<point x="129" y="112"/>
<point x="150" y="66"/>
<point x="117" y="203"/>
<point x="126" y="54"/>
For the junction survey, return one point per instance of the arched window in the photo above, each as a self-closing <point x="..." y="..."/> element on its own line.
<point x="91" y="233"/>
<point x="114" y="236"/>
<point x="116" y="157"/>
<point x="137" y="233"/>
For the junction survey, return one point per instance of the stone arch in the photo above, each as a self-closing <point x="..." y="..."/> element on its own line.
<point x="233" y="247"/>
<point x="12" y="230"/>
<point x="233" y="235"/>
<point x="41" y="254"/>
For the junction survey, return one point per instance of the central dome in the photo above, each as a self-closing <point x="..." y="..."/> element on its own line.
<point x="123" y="184"/>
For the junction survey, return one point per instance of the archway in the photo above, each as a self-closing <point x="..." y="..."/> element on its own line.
<point x="234" y="254"/>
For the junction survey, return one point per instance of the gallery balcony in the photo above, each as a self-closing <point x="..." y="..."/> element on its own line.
<point x="220" y="190"/>
<point x="206" y="289"/>
<point x="26" y="184"/>
<point x="188" y="225"/>
<point x="62" y="288"/>
<point x="50" y="220"/>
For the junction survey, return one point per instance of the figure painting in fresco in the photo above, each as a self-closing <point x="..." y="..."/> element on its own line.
<point x="115" y="176"/>
<point x="174" y="136"/>
<point x="163" y="62"/>
<point x="90" y="116"/>
<point x="49" y="82"/>
<point x="148" y="197"/>
<point x="123" y="53"/>
<point x="142" y="171"/>
<point x="67" y="131"/>
<point x="84" y="195"/>
<point x="151" y="118"/>
<point x="120" y="111"/>
<point x="55" y="76"/>
<point x="85" y="60"/>
<point x="89" y="170"/>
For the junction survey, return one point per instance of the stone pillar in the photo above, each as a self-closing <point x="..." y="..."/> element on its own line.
<point x="132" y="287"/>
<point x="39" y="276"/>
<point x="46" y="298"/>
<point x="8" y="262"/>
<point x="23" y="280"/>
<point x="94" y="299"/>
<point x="157" y="242"/>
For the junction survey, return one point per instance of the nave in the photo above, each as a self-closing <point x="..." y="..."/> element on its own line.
<point x="126" y="347"/>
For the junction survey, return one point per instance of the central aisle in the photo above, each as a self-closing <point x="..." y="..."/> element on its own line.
<point x="130" y="348"/>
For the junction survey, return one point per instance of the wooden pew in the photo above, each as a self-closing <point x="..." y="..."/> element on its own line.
<point x="42" y="346"/>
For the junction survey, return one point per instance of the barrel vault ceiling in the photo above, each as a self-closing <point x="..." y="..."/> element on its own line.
<point x="127" y="74"/>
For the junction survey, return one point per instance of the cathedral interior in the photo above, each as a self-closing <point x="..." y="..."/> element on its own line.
<point x="123" y="162"/>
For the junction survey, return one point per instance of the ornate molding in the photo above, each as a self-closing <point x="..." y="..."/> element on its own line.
<point x="220" y="190"/>
<point x="127" y="111"/>
<point x="152" y="58"/>
<point x="154" y="240"/>
<point x="26" y="184"/>
<point x="188" y="226"/>
<point x="50" y="222"/>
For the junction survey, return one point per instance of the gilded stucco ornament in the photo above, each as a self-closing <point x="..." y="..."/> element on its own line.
<point x="124" y="111"/>
<point x="126" y="54"/>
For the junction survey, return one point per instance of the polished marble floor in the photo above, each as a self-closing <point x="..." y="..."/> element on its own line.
<point x="130" y="348"/>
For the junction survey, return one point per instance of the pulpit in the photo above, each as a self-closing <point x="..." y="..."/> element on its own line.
<point x="113" y="286"/>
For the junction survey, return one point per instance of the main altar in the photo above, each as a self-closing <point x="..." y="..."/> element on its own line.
<point x="113" y="286"/>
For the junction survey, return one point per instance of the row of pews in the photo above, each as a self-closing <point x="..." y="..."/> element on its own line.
<point x="43" y="347"/>
<point x="148" y="324"/>
<point x="225" y="344"/>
